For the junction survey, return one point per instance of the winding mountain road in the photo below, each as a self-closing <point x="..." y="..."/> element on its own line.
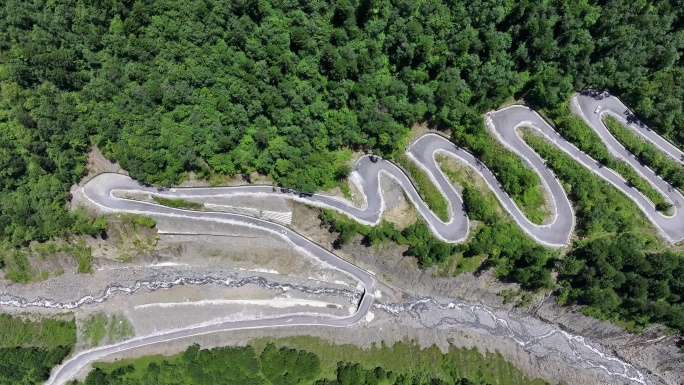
<point x="504" y="124"/>
<point x="670" y="226"/>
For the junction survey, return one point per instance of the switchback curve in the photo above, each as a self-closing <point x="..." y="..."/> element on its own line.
<point x="504" y="125"/>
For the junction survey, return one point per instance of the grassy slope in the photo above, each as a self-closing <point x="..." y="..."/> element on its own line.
<point x="178" y="203"/>
<point x="463" y="176"/>
<point x="29" y="348"/>
<point x="600" y="208"/>
<point x="403" y="358"/>
<point x="426" y="188"/>
<point x="45" y="333"/>
<point x="575" y="130"/>
<point x="669" y="169"/>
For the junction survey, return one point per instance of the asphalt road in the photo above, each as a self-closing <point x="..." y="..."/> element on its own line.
<point x="672" y="227"/>
<point x="502" y="123"/>
<point x="99" y="192"/>
<point x="67" y="370"/>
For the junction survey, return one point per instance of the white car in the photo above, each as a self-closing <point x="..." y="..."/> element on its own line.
<point x="596" y="111"/>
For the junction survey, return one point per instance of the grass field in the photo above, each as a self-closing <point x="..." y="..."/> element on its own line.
<point x="426" y="188"/>
<point x="178" y="203"/>
<point x="102" y="328"/>
<point x="410" y="358"/>
<point x="42" y="333"/>
<point x="669" y="169"/>
<point x="30" y="346"/>
<point x="402" y="358"/>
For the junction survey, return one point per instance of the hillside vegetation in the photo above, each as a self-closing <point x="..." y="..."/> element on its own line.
<point x="30" y="348"/>
<point x="290" y="366"/>
<point x="620" y="268"/>
<point x="288" y="88"/>
<point x="213" y="87"/>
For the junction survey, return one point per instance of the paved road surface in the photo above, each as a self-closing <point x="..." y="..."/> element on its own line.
<point x="672" y="227"/>
<point x="503" y="124"/>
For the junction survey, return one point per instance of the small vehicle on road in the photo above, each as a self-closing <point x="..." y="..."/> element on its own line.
<point x="596" y="111"/>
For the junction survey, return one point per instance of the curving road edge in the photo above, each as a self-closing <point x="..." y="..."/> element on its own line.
<point x="99" y="191"/>
<point x="504" y="124"/>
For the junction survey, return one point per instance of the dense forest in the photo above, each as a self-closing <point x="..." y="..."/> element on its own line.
<point x="285" y="88"/>
<point x="623" y="278"/>
<point x="284" y="366"/>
